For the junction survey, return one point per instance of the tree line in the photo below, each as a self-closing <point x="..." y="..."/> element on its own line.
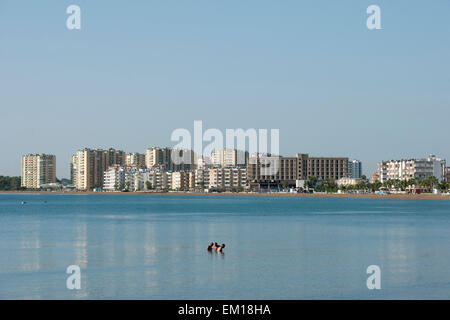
<point x="10" y="183"/>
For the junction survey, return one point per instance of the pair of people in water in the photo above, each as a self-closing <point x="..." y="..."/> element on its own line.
<point x="215" y="247"/>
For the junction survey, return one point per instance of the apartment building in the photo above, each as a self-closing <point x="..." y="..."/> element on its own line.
<point x="265" y="171"/>
<point x="158" y="157"/>
<point x="38" y="170"/>
<point x="114" y="178"/>
<point x="229" y="158"/>
<point x="201" y="179"/>
<point x="170" y="159"/>
<point x="135" y="159"/>
<point x="88" y="166"/>
<point x="354" y="169"/>
<point x="158" y="178"/>
<point x="447" y="174"/>
<point x="129" y="177"/>
<point x="227" y="178"/>
<point x="181" y="180"/>
<point x="411" y="168"/>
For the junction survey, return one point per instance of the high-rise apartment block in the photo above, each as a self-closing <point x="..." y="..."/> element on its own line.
<point x="229" y="158"/>
<point x="88" y="166"/>
<point x="157" y="157"/>
<point x="354" y="169"/>
<point x="37" y="170"/>
<point x="170" y="159"/>
<point x="135" y="159"/>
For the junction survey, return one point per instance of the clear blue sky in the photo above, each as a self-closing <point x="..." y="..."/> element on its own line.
<point x="137" y="70"/>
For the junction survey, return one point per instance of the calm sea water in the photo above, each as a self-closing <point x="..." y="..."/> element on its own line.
<point x="153" y="247"/>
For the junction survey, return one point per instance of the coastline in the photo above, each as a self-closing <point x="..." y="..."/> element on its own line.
<point x="427" y="196"/>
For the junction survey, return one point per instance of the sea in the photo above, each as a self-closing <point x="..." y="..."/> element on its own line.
<point x="154" y="247"/>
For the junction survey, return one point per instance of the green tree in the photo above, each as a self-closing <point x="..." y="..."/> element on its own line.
<point x="10" y="183"/>
<point x="375" y="186"/>
<point x="311" y="182"/>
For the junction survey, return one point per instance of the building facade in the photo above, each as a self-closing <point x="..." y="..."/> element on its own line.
<point x="228" y="178"/>
<point x="88" y="166"/>
<point x="170" y="159"/>
<point x="265" y="171"/>
<point x="38" y="170"/>
<point x="201" y="179"/>
<point x="354" y="169"/>
<point x="135" y="159"/>
<point x="158" y="157"/>
<point x="158" y="178"/>
<point x="229" y="158"/>
<point x="407" y="169"/>
<point x="114" y="178"/>
<point x="131" y="178"/>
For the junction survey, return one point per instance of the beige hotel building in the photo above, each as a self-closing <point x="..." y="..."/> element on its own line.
<point x="275" y="171"/>
<point x="37" y="170"/>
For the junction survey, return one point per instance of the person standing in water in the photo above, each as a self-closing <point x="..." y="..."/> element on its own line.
<point x="210" y="246"/>
<point x="220" y="248"/>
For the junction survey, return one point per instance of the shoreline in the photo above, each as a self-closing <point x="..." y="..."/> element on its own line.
<point x="427" y="196"/>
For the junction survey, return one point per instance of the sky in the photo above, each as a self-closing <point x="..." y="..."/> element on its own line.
<point x="138" y="70"/>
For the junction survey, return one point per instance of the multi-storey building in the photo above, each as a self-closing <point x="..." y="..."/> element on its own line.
<point x="182" y="160"/>
<point x="164" y="157"/>
<point x="201" y="177"/>
<point x="447" y="174"/>
<point x="37" y="170"/>
<point x="158" y="178"/>
<point x="88" y="166"/>
<point x="135" y="159"/>
<point x="328" y="168"/>
<point x="227" y="178"/>
<point x="158" y="157"/>
<point x="354" y="169"/>
<point x="129" y="177"/>
<point x="114" y="178"/>
<point x="181" y="181"/>
<point x="411" y="168"/>
<point x="265" y="171"/>
<point x="229" y="158"/>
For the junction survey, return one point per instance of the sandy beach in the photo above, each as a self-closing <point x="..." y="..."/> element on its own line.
<point x="425" y="196"/>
